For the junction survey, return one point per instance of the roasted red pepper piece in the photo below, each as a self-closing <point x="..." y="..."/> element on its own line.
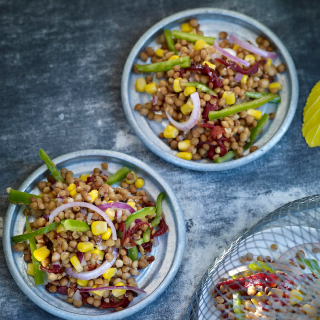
<point x="51" y="270"/>
<point x="112" y="304"/>
<point x="122" y="228"/>
<point x="223" y="149"/>
<point x="147" y="247"/>
<point x="60" y="289"/>
<point x="209" y="107"/>
<point x="213" y="76"/>
<point x="235" y="67"/>
<point x="163" y="229"/>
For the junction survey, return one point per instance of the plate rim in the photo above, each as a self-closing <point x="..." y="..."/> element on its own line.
<point x="293" y="80"/>
<point x="177" y="210"/>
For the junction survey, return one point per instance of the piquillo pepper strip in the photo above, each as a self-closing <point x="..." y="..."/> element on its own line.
<point x="51" y="166"/>
<point x="258" y="95"/>
<point x="201" y="86"/>
<point x="27" y="236"/>
<point x="118" y="176"/>
<point x="18" y="197"/>
<point x="191" y="37"/>
<point x="164" y="65"/>
<point x="169" y="40"/>
<point x="240" y="107"/>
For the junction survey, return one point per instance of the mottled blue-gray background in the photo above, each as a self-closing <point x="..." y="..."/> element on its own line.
<point x="66" y="57"/>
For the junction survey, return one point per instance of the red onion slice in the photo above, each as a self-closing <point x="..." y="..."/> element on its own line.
<point x="89" y="217"/>
<point x="249" y="47"/>
<point x="116" y="205"/>
<point x="291" y="253"/>
<point x="77" y="296"/>
<point x="154" y="100"/>
<point x="194" y="116"/>
<point x="56" y="265"/>
<point x="238" y="77"/>
<point x="82" y="259"/>
<point x="96" y="272"/>
<point x="56" y="211"/>
<point x="137" y="290"/>
<point x="60" y="200"/>
<point x="84" y="211"/>
<point x="231" y="56"/>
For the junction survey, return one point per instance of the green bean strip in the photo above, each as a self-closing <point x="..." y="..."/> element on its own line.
<point x="164" y="65"/>
<point x="240" y="107"/>
<point x="257" y="130"/>
<point x="38" y="274"/>
<point x="133" y="253"/>
<point x="258" y="266"/>
<point x="157" y="218"/>
<point x="237" y="305"/>
<point x="169" y="40"/>
<point x="258" y="95"/>
<point x="229" y="155"/>
<point x="201" y="86"/>
<point x="118" y="176"/>
<point x="27" y="236"/>
<point x="139" y="215"/>
<point x="51" y="166"/>
<point x="18" y="197"/>
<point x="191" y="37"/>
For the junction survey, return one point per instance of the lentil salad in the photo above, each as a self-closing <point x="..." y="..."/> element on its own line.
<point x="88" y="257"/>
<point x="173" y="89"/>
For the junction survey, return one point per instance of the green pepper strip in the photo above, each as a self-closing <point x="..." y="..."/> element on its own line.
<point x="258" y="95"/>
<point x="139" y="215"/>
<point x="157" y="218"/>
<point x="18" y="197"/>
<point x="164" y="65"/>
<point x="38" y="274"/>
<point x="312" y="265"/>
<point x="139" y="242"/>
<point x="133" y="253"/>
<point x="169" y="40"/>
<point x="51" y="166"/>
<point x="27" y="236"/>
<point x="191" y="37"/>
<point x="237" y="305"/>
<point x="146" y="235"/>
<point x="229" y="155"/>
<point x="257" y="130"/>
<point x="75" y="225"/>
<point x="201" y="86"/>
<point x="258" y="266"/>
<point x="118" y="176"/>
<point x="240" y="107"/>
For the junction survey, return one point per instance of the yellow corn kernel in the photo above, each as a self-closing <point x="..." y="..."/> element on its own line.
<point x="230" y="97"/>
<point x="184" y="145"/>
<point x="30" y="269"/>
<point x="110" y="201"/>
<point x="99" y="227"/>
<point x="255" y="301"/>
<point x="132" y="205"/>
<point x="211" y="65"/>
<point x="85" y="246"/>
<point x="133" y="180"/>
<point x="184" y="155"/>
<point x="98" y="252"/>
<point x="160" y="53"/>
<point x="151" y="88"/>
<point x="73" y="192"/>
<point x="111" y="213"/>
<point x="170" y="132"/>
<point x="71" y="187"/>
<point x="309" y="310"/>
<point x="249" y="57"/>
<point x="185" y="27"/>
<point x="140" y="84"/>
<point x="109" y="273"/>
<point x="42" y="253"/>
<point x="119" y="292"/>
<point x="106" y="235"/>
<point x="235" y="47"/>
<point x="260" y="294"/>
<point x="269" y="62"/>
<point x="244" y="79"/>
<point x="61" y="228"/>
<point x="174" y="57"/>
<point x="255" y="113"/>
<point x="187" y="107"/>
<point x="99" y="293"/>
<point x="139" y="183"/>
<point x="295" y="296"/>
<point x="76" y="263"/>
<point x="41" y="194"/>
<point x="84" y="177"/>
<point x="176" y="85"/>
<point x="200" y="44"/>
<point x="189" y="90"/>
<point x="82" y="283"/>
<point x="94" y="195"/>
<point x="275" y="85"/>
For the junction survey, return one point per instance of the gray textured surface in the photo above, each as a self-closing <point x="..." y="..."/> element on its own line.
<point x="66" y="57"/>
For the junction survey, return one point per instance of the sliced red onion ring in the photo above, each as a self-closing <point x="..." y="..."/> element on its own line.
<point x="246" y="45"/>
<point x="194" y="116"/>
<point x="89" y="217"/>
<point x="60" y="200"/>
<point x="46" y="216"/>
<point x="116" y="205"/>
<point x="118" y="213"/>
<point x="82" y="259"/>
<point x="137" y="290"/>
<point x="231" y="56"/>
<point x="238" y="77"/>
<point x="77" y="295"/>
<point x="56" y="265"/>
<point x="154" y="100"/>
<point x="291" y="253"/>
<point x="84" y="211"/>
<point x="96" y="272"/>
<point x="56" y="211"/>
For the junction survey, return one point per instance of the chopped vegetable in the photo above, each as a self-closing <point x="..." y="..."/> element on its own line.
<point x="258" y="266"/>
<point x="51" y="166"/>
<point x="205" y="69"/>
<point x="258" y="95"/>
<point x="312" y="265"/>
<point x="231" y="56"/>
<point x="237" y="305"/>
<point x="229" y="155"/>
<point x="118" y="176"/>
<point x="257" y="130"/>
<point x="157" y="218"/>
<point x="19" y="197"/>
<point x="235" y="67"/>
<point x="138" y="215"/>
<point x="146" y="235"/>
<point x="133" y="253"/>
<point x="201" y="86"/>
<point x="191" y="37"/>
<point x="75" y="225"/>
<point x="169" y="40"/>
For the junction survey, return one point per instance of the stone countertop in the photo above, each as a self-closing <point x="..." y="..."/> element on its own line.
<point x="61" y="65"/>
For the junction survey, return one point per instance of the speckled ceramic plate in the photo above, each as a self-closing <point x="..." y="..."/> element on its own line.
<point x="154" y="279"/>
<point x="212" y="21"/>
